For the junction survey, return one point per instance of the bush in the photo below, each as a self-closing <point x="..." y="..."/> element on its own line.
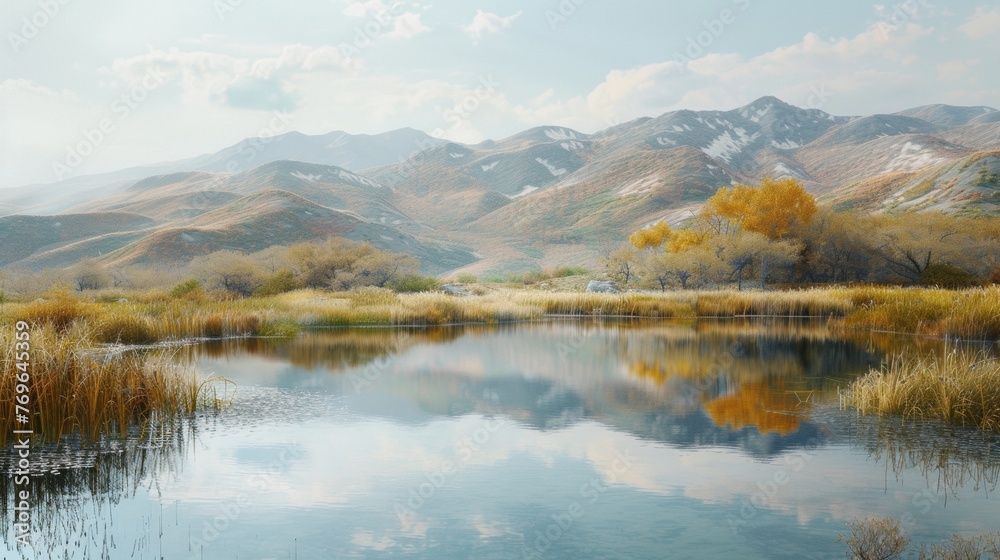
<point x="875" y="539"/>
<point x="283" y="281"/>
<point x="564" y="271"/>
<point x="995" y="276"/>
<point x="190" y="289"/>
<point x="948" y="276"/>
<point x="466" y="278"/>
<point x="411" y="284"/>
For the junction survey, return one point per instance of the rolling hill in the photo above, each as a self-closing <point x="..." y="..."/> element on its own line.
<point x="546" y="196"/>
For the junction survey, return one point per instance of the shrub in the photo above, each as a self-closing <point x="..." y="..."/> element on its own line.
<point x="948" y="276"/>
<point x="564" y="271"/>
<point x="190" y="289"/>
<point x="875" y="539"/>
<point x="410" y="284"/>
<point x="466" y="278"/>
<point x="995" y="276"/>
<point x="283" y="281"/>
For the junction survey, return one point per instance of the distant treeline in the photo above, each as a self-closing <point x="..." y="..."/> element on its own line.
<point x="337" y="264"/>
<point x="777" y="233"/>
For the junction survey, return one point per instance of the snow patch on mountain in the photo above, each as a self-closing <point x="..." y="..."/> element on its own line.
<point x="357" y="179"/>
<point x="491" y="166"/>
<point x="913" y="156"/>
<point x="560" y="134"/>
<point x="786" y="145"/>
<point x="552" y="169"/>
<point x="528" y="189"/>
<point x="725" y="146"/>
<point x="310" y="177"/>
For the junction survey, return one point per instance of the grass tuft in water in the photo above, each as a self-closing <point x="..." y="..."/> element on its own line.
<point x="960" y="388"/>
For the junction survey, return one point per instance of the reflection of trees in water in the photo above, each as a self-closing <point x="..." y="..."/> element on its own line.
<point x="74" y="487"/>
<point x="763" y="374"/>
<point x="333" y="349"/>
<point x="950" y="458"/>
<point x="765" y="407"/>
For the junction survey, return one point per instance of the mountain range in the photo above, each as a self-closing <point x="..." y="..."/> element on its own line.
<point x="546" y="196"/>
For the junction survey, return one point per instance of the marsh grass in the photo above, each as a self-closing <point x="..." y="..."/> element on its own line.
<point x="961" y="387"/>
<point x="76" y="387"/>
<point x="146" y="318"/>
<point x="885" y="539"/>
<point x="799" y="303"/>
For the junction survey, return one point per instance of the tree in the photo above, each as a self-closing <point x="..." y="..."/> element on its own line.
<point x="838" y="247"/>
<point x="379" y="268"/>
<point x="230" y="271"/>
<point x="776" y="209"/>
<point x="910" y="243"/>
<point x="651" y="237"/>
<point x="744" y="249"/>
<point x="619" y="264"/>
<point x="88" y="274"/>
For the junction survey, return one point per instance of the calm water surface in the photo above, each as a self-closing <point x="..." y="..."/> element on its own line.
<point x="555" y="440"/>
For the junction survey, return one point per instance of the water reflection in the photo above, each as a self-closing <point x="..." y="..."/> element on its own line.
<point x="633" y="438"/>
<point x="75" y="487"/>
<point x="743" y="383"/>
<point x="949" y="458"/>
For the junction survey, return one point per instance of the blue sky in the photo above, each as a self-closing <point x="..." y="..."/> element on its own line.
<point x="127" y="83"/>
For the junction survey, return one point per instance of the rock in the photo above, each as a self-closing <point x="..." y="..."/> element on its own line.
<point x="603" y="287"/>
<point x="454" y="290"/>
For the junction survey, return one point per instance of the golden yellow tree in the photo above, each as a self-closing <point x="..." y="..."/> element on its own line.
<point x="652" y="237"/>
<point x="775" y="209"/>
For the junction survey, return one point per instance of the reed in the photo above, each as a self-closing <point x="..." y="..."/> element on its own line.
<point x="77" y="387"/>
<point x="966" y="314"/>
<point x="960" y="387"/>
<point x="796" y="303"/>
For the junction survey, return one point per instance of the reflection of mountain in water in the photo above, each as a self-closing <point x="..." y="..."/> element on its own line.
<point x="735" y="383"/>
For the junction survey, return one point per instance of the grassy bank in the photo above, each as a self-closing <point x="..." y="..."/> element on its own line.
<point x="147" y="318"/>
<point x="960" y="388"/>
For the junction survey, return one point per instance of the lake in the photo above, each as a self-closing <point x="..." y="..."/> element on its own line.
<point x="559" y="439"/>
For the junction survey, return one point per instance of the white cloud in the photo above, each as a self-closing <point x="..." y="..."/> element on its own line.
<point x="955" y="69"/>
<point x="486" y="23"/>
<point x="805" y="73"/>
<point x="407" y="26"/>
<point x="203" y="75"/>
<point x="982" y="23"/>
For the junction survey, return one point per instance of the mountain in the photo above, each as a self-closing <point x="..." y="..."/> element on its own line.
<point x="350" y="151"/>
<point x="354" y="152"/>
<point x="546" y="196"/>
<point x="948" y="116"/>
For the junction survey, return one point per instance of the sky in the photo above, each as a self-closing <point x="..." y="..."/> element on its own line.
<point x="88" y="87"/>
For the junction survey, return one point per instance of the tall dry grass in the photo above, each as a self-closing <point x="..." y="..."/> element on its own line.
<point x="960" y="387"/>
<point x="77" y="387"/>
